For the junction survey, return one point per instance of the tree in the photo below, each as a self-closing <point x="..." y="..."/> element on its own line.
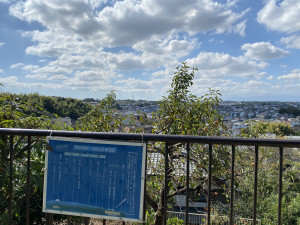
<point x="179" y="113"/>
<point x="182" y="113"/>
<point x="267" y="200"/>
<point x="103" y="117"/>
<point x="12" y="116"/>
<point x="268" y="160"/>
<point x="259" y="128"/>
<point x="63" y="107"/>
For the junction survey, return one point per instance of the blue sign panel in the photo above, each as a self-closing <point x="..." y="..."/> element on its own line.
<point x="101" y="179"/>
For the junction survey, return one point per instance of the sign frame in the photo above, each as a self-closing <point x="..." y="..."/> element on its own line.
<point x="98" y="142"/>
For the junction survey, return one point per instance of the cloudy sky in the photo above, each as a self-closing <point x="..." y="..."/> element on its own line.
<point x="249" y="50"/>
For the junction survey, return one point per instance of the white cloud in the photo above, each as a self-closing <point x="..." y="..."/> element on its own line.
<point x="83" y="41"/>
<point x="36" y="77"/>
<point x="74" y="16"/>
<point x="130" y="61"/>
<point x="253" y="90"/>
<point x="155" y="17"/>
<point x="282" y="16"/>
<point x="283" y="66"/>
<point x="138" y="84"/>
<point x="170" y="45"/>
<point x="92" y="60"/>
<point x="87" y="80"/>
<point x="30" y="67"/>
<point x="2" y="43"/>
<point x="52" y="70"/>
<point x="294" y="75"/>
<point x="58" y="78"/>
<point x="263" y="51"/>
<point x="97" y="3"/>
<point x="128" y="21"/>
<point x="219" y="65"/>
<point x="1" y="71"/>
<point x="240" y="28"/>
<point x="17" y="65"/>
<point x="53" y="44"/>
<point x="14" y="82"/>
<point x="9" y="81"/>
<point x="291" y="41"/>
<point x="148" y="89"/>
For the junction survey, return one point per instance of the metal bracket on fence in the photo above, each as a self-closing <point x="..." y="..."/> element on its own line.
<point x="48" y="147"/>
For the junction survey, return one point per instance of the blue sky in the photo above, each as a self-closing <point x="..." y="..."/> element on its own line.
<point x="249" y="50"/>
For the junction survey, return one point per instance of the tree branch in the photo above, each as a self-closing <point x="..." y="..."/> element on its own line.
<point x="179" y="191"/>
<point x="151" y="202"/>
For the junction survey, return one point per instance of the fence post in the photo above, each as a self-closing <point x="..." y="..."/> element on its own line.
<point x="28" y="182"/>
<point x="231" y="219"/>
<point x="145" y="189"/>
<point x="255" y="184"/>
<point x="280" y="184"/>
<point x="166" y="184"/>
<point x="209" y="183"/>
<point x="11" y="158"/>
<point x="49" y="219"/>
<point x="187" y="197"/>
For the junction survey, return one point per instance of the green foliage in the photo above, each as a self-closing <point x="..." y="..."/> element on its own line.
<point x="182" y="113"/>
<point x="185" y="114"/>
<point x="63" y="107"/>
<point x="259" y="128"/>
<point x="175" y="221"/>
<point x="267" y="201"/>
<point x="290" y="110"/>
<point x="12" y="115"/>
<point x="102" y="118"/>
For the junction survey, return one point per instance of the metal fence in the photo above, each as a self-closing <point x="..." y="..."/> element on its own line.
<point x="281" y="144"/>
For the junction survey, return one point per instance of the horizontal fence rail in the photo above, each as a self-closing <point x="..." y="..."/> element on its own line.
<point x="290" y="143"/>
<point x="167" y="139"/>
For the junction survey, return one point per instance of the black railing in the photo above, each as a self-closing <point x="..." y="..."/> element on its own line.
<point x="280" y="143"/>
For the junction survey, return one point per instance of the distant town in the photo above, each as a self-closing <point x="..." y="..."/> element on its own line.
<point x="235" y="113"/>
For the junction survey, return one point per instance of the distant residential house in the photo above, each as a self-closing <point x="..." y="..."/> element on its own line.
<point x="237" y="127"/>
<point x="296" y="126"/>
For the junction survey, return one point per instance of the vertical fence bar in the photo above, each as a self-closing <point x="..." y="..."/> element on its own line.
<point x="104" y="221"/>
<point x="209" y="183"/>
<point x="166" y="184"/>
<point x="187" y="197"/>
<point x="280" y="184"/>
<point x="11" y="158"/>
<point x="255" y="185"/>
<point x="49" y="219"/>
<point x="145" y="189"/>
<point x="28" y="182"/>
<point x="231" y="219"/>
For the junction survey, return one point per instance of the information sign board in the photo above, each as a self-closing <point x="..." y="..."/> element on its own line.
<point x="93" y="178"/>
